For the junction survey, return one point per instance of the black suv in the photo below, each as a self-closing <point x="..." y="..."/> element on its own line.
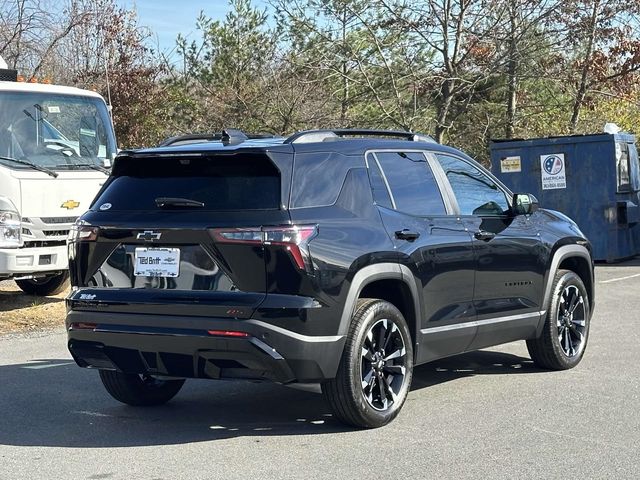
<point x="339" y="257"/>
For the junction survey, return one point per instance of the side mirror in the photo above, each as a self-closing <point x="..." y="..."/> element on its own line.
<point x="524" y="204"/>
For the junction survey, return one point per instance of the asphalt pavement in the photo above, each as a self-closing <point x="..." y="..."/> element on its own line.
<point x="488" y="414"/>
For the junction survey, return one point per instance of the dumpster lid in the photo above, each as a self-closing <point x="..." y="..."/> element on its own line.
<point x="565" y="139"/>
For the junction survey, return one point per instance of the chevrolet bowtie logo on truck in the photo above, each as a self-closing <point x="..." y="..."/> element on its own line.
<point x="70" y="204"/>
<point x="149" y="236"/>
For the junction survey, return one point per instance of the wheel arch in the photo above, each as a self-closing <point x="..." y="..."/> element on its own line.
<point x="577" y="259"/>
<point x="391" y="282"/>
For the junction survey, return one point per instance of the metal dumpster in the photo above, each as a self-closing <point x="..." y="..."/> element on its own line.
<point x="594" y="179"/>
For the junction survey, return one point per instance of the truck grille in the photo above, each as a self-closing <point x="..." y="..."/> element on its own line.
<point x="56" y="233"/>
<point x="39" y="244"/>
<point x="57" y="220"/>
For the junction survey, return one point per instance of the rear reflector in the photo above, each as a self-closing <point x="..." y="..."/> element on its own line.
<point x="82" y="326"/>
<point x="227" y="333"/>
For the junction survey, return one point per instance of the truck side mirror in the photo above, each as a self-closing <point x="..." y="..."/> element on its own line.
<point x="524" y="204"/>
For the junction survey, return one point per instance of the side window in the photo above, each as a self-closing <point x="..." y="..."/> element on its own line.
<point x="378" y="186"/>
<point x="477" y="193"/>
<point x="413" y="187"/>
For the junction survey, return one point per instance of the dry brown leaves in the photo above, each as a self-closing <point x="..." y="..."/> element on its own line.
<point x="20" y="312"/>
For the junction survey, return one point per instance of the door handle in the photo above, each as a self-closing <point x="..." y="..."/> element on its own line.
<point x="483" y="235"/>
<point x="406" y="234"/>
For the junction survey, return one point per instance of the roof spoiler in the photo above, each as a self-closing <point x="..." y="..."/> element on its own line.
<point x="225" y="136"/>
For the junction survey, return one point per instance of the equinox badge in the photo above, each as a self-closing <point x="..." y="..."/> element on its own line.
<point x="149" y="236"/>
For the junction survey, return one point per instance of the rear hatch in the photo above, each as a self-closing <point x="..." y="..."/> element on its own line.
<point x="181" y="234"/>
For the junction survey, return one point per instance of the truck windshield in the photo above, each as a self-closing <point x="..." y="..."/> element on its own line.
<point x="58" y="132"/>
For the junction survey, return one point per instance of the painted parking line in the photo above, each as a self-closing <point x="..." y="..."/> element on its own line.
<point x="40" y="366"/>
<point x="620" y="278"/>
<point x="91" y="414"/>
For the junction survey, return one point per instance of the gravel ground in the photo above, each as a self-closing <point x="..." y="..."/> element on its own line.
<point x="20" y="312"/>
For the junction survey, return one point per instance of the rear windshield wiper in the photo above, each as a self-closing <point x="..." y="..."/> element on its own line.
<point x="168" y="202"/>
<point x="46" y="170"/>
<point x="92" y="166"/>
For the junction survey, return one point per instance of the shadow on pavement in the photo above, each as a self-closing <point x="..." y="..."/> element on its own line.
<point x="66" y="406"/>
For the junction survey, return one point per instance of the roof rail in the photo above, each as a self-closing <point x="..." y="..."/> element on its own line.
<point x="309" y="136"/>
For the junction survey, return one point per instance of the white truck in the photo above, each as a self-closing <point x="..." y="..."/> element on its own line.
<point x="56" y="146"/>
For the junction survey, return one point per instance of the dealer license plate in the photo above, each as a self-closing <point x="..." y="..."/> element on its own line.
<point x="157" y="262"/>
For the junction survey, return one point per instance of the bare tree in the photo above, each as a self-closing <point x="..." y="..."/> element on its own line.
<point x="372" y="70"/>
<point x="525" y="33"/>
<point x="31" y="30"/>
<point x="453" y="29"/>
<point x="605" y="36"/>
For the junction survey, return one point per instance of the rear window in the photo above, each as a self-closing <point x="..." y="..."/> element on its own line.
<point x="235" y="182"/>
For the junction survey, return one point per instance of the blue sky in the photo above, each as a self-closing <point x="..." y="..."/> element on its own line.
<point x="167" y="18"/>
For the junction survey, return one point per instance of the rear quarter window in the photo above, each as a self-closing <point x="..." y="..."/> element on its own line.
<point x="318" y="177"/>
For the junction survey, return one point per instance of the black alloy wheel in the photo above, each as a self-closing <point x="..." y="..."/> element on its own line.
<point x="565" y="332"/>
<point x="383" y="367"/>
<point x="374" y="375"/>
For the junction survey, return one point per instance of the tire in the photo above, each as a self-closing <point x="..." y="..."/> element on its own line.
<point x="137" y="390"/>
<point x="566" y="329"/>
<point x="355" y="394"/>
<point x="49" y="285"/>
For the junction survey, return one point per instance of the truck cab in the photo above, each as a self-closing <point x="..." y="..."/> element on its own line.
<point x="56" y="147"/>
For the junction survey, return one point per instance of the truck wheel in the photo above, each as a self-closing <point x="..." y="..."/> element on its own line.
<point x="375" y="371"/>
<point x="49" y="285"/>
<point x="566" y="329"/>
<point x="139" y="390"/>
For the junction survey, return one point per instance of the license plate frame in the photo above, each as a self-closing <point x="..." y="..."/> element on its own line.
<point x="163" y="262"/>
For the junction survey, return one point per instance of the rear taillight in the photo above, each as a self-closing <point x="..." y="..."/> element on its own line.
<point x="294" y="239"/>
<point x="239" y="235"/>
<point x="82" y="231"/>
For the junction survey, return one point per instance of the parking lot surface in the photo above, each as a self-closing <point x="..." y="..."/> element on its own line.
<point x="486" y="414"/>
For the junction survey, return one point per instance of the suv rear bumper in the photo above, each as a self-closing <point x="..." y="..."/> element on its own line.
<point x="182" y="347"/>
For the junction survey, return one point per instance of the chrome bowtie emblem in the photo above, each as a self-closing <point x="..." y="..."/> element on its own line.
<point x="149" y="236"/>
